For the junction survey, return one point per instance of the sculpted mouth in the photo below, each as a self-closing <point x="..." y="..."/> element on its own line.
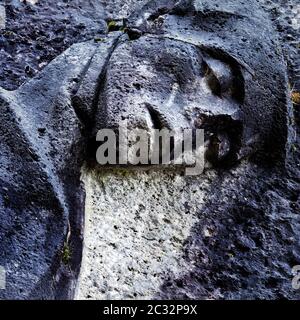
<point x="223" y="138"/>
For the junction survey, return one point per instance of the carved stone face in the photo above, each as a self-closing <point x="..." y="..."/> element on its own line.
<point x="157" y="83"/>
<point x="188" y="68"/>
<point x="200" y="66"/>
<point x="190" y="64"/>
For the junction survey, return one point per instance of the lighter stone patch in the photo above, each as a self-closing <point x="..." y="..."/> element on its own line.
<point x="30" y="1"/>
<point x="2" y="278"/>
<point x="175" y="89"/>
<point x="123" y="9"/>
<point x="2" y="17"/>
<point x="198" y="5"/>
<point x="146" y="70"/>
<point x="135" y="227"/>
<point x="296" y="18"/>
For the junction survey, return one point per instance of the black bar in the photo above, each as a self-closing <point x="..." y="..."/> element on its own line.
<point x="206" y="310"/>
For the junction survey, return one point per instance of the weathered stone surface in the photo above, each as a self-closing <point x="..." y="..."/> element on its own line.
<point x="229" y="216"/>
<point x="136" y="224"/>
<point x="224" y="31"/>
<point x="36" y="34"/>
<point x="42" y="150"/>
<point x="231" y="62"/>
<point x="2" y="16"/>
<point x="118" y="10"/>
<point x="158" y="235"/>
<point x="204" y="54"/>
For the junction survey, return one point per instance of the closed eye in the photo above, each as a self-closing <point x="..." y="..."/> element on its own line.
<point x="219" y="77"/>
<point x="212" y="81"/>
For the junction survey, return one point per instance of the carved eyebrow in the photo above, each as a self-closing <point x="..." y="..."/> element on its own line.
<point x="214" y="51"/>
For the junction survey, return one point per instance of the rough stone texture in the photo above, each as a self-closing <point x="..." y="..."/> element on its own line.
<point x="240" y="243"/>
<point x="118" y="10"/>
<point x="210" y="61"/>
<point x="42" y="150"/>
<point x="36" y="34"/>
<point x="286" y="17"/>
<point x="2" y="16"/>
<point x="135" y="227"/>
<point x="41" y="196"/>
<point x="165" y="236"/>
<point x="227" y="252"/>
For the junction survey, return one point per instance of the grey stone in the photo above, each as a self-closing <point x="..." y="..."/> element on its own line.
<point x="2" y="16"/>
<point x="42" y="198"/>
<point x="203" y="55"/>
<point x="224" y="33"/>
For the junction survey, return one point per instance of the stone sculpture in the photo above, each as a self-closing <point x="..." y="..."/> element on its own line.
<point x="191" y="64"/>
